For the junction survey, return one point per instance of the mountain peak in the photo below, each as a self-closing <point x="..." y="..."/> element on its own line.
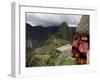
<point x="64" y="24"/>
<point x="63" y="31"/>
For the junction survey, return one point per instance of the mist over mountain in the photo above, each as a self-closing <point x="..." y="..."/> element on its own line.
<point x="38" y="35"/>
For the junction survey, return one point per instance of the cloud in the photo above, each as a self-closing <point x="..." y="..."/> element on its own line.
<point x="40" y="19"/>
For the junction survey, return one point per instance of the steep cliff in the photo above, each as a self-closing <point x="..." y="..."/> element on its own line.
<point x="84" y="25"/>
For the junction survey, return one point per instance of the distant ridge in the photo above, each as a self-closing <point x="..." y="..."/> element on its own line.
<point x="37" y="35"/>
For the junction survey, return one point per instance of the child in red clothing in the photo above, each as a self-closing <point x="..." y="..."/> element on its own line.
<point x="80" y="48"/>
<point x="83" y="48"/>
<point x="75" y="46"/>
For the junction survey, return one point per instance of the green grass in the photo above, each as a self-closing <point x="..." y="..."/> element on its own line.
<point x="68" y="61"/>
<point x="43" y="57"/>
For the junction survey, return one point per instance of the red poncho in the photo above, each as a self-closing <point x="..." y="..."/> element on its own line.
<point x="83" y="47"/>
<point x="76" y="43"/>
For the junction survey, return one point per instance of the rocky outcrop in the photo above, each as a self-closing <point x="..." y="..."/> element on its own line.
<point x="29" y="44"/>
<point x="83" y="26"/>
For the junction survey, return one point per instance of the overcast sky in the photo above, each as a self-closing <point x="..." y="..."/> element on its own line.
<point x="40" y="19"/>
